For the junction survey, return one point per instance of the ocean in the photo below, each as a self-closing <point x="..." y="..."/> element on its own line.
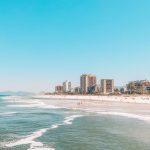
<point x="33" y="124"/>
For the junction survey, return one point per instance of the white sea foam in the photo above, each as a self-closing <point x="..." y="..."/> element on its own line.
<point x="7" y="113"/>
<point x="34" y="145"/>
<point x="11" y="97"/>
<point x="34" y="105"/>
<point x="55" y="126"/>
<point x="43" y="148"/>
<point x="28" y="103"/>
<point x="29" y="139"/>
<point x="68" y="120"/>
<point x="129" y="115"/>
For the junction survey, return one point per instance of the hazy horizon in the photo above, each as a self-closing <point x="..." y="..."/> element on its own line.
<point x="44" y="43"/>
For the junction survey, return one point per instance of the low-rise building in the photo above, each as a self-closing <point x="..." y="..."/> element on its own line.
<point x="123" y="90"/>
<point x="95" y="89"/>
<point x="139" y="87"/>
<point x="59" y="89"/>
<point x="77" y="90"/>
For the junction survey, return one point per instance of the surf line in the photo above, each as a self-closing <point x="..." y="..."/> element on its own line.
<point x="7" y="113"/>
<point x="128" y="115"/>
<point x="31" y="138"/>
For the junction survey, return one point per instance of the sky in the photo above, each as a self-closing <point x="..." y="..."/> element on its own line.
<point x="44" y="42"/>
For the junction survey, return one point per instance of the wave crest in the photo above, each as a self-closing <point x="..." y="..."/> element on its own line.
<point x="128" y="115"/>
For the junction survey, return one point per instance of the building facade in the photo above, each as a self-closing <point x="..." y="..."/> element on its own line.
<point x="66" y="86"/>
<point x="58" y="89"/>
<point x="94" y="89"/>
<point x="77" y="90"/>
<point x="107" y="86"/>
<point x="139" y="87"/>
<point x="86" y="81"/>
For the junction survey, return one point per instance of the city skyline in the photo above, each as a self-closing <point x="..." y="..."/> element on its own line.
<point x="43" y="43"/>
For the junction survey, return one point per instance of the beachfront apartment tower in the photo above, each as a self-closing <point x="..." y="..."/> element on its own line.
<point x="107" y="86"/>
<point x="86" y="81"/>
<point x="66" y="86"/>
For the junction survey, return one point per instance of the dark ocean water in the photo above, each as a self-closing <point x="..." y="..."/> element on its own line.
<point x="39" y="126"/>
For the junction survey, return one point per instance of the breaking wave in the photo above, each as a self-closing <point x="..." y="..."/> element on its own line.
<point x="7" y="113"/>
<point x="31" y="139"/>
<point x="128" y="115"/>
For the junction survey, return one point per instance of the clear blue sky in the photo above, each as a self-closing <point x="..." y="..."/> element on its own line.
<point x="44" y="42"/>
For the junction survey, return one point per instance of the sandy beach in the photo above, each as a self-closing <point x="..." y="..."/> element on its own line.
<point x="122" y="98"/>
<point x="112" y="105"/>
<point x="130" y="104"/>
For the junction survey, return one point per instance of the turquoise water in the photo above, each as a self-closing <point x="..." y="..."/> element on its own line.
<point x="31" y="124"/>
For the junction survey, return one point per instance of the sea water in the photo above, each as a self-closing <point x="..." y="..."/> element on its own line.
<point x="33" y="124"/>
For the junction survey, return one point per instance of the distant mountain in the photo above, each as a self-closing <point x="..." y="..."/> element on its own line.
<point x="18" y="93"/>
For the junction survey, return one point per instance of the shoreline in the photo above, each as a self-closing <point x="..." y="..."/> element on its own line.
<point x="106" y="105"/>
<point x="142" y="99"/>
<point x="88" y="104"/>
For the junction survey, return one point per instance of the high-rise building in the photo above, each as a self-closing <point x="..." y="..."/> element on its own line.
<point x="86" y="81"/>
<point x="107" y="86"/>
<point x="66" y="86"/>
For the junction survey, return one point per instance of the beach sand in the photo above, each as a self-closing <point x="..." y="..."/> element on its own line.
<point x="139" y="104"/>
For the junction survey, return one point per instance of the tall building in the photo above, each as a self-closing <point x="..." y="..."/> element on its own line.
<point x="107" y="86"/>
<point x="66" y="86"/>
<point x="86" y="81"/>
<point x="58" y="89"/>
